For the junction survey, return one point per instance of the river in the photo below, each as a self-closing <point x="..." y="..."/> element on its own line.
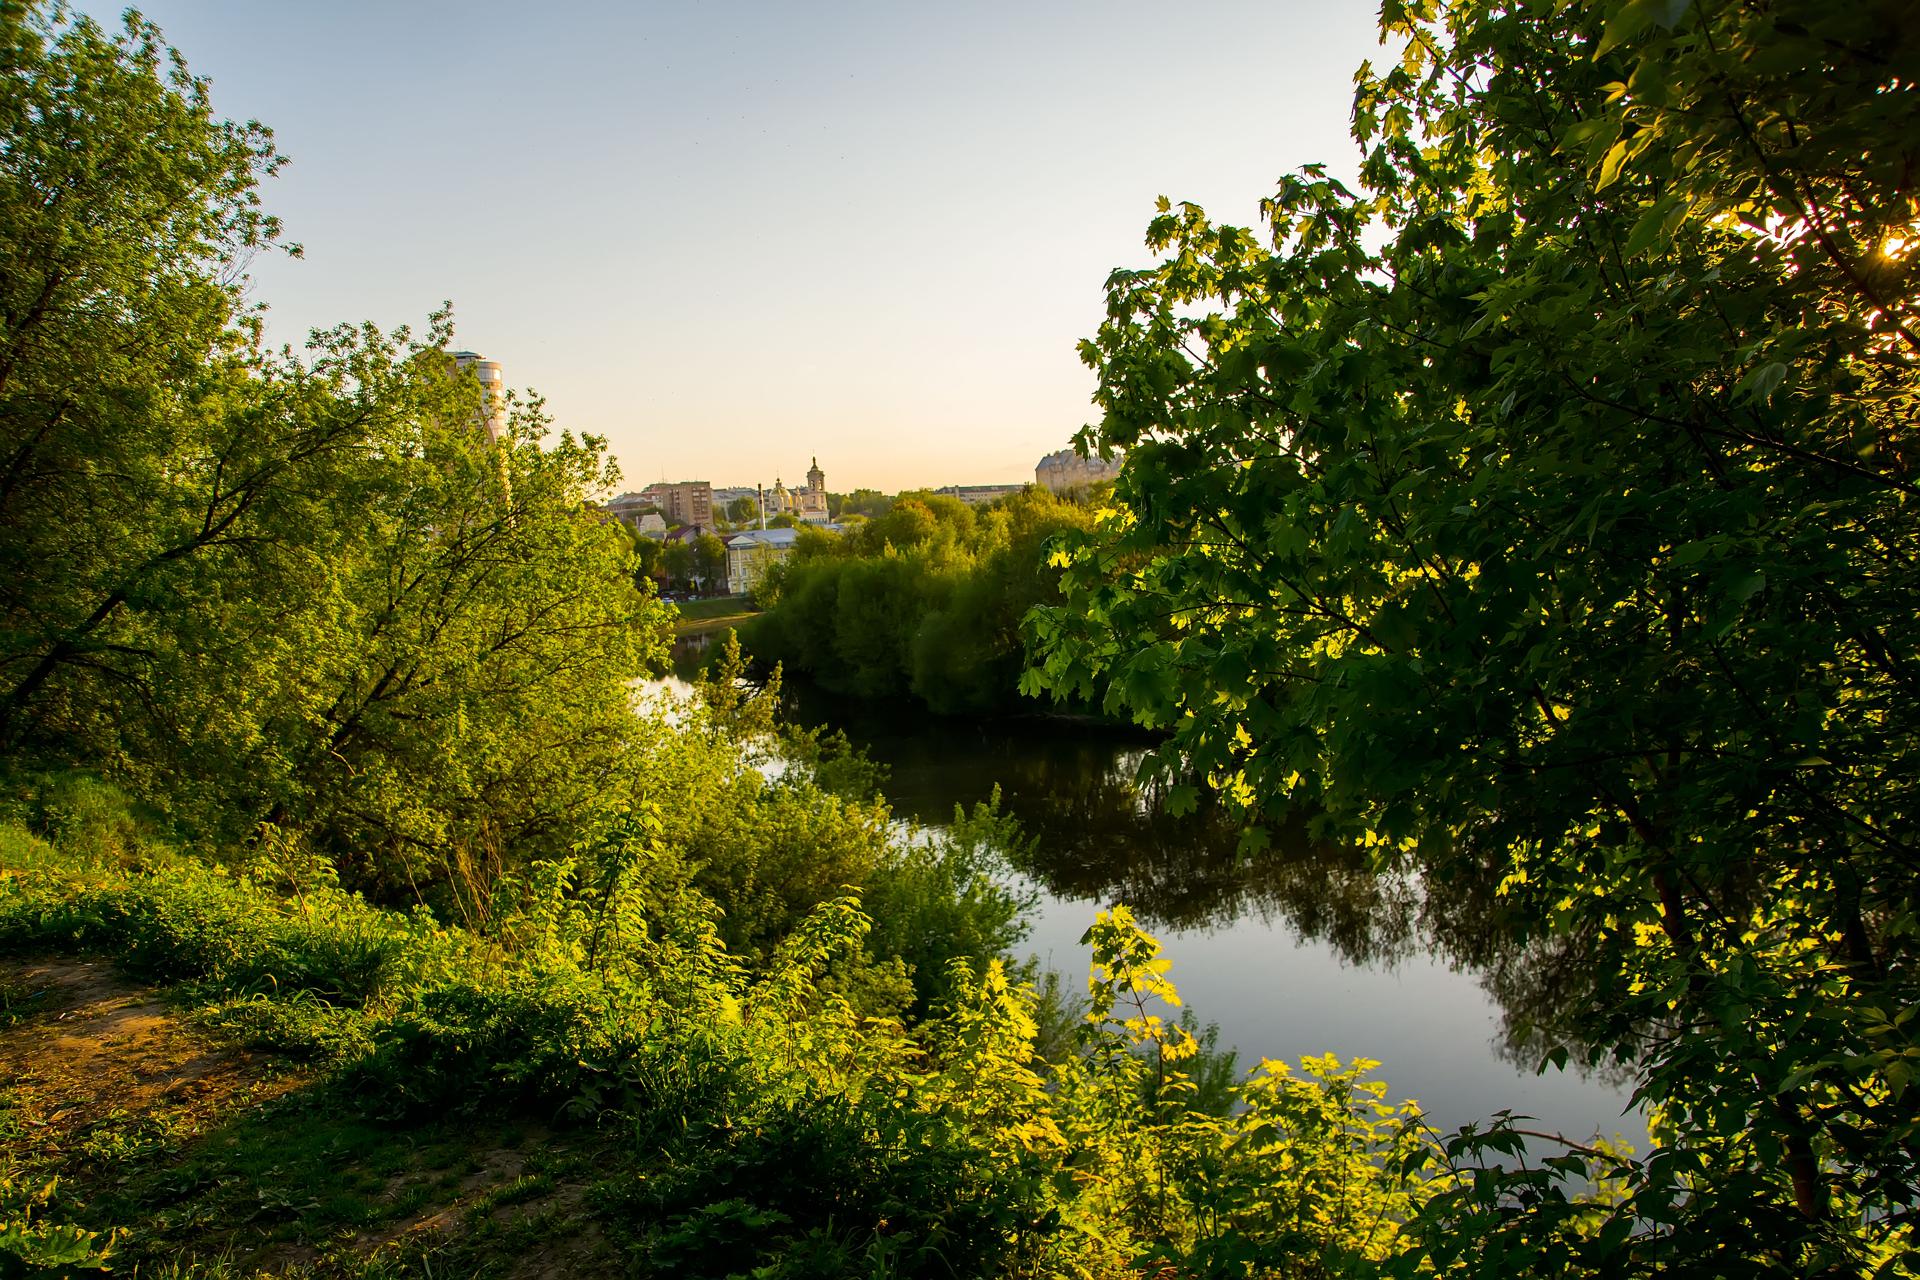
<point x="1298" y="951"/>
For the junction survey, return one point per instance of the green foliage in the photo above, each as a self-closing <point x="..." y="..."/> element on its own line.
<point x="765" y="1121"/>
<point x="122" y="198"/>
<point x="35" y="1249"/>
<point x="193" y="921"/>
<point x="865" y="504"/>
<point x="87" y="816"/>
<point x="649" y="555"/>
<point x="924" y="599"/>
<point x="298" y="1025"/>
<point x="698" y="563"/>
<point x="676" y="562"/>
<point x="255" y="586"/>
<point x="1558" y="547"/>
<point x="1306" y="1173"/>
<point x="710" y="561"/>
<point x="942" y="898"/>
<point x="1541" y="519"/>
<point x="762" y="822"/>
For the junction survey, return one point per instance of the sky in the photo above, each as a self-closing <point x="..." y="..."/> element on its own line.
<point x="731" y="238"/>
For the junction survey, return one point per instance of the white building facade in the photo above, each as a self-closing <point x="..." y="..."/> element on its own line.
<point x="751" y="554"/>
<point x="493" y="391"/>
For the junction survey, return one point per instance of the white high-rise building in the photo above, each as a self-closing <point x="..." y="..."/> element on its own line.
<point x="493" y="385"/>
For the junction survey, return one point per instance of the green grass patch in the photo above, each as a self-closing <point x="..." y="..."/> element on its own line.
<point x="718" y="607"/>
<point x="308" y="1172"/>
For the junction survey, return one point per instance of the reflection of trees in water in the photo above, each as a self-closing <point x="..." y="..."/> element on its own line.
<point x="1102" y="835"/>
<point x="1106" y="838"/>
<point x="1543" y="986"/>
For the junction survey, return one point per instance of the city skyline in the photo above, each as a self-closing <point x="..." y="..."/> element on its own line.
<point x="727" y="240"/>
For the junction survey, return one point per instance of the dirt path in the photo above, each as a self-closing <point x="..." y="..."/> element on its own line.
<point x="89" y="1048"/>
<point x="100" y="1077"/>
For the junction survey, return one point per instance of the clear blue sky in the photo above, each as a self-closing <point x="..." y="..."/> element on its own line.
<point x="733" y="237"/>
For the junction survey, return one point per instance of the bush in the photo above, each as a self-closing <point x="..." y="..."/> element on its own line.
<point x="943" y="896"/>
<point x="91" y="819"/>
<point x="194" y="922"/>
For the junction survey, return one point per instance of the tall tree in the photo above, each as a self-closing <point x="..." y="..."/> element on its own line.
<point x="710" y="561"/>
<point x="1542" y="516"/>
<point x="677" y="561"/>
<point x="295" y="587"/>
<point x="126" y="208"/>
<point x="647" y="556"/>
<point x="464" y="691"/>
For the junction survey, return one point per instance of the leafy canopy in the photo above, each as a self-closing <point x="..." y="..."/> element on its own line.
<point x="293" y="588"/>
<point x="1541" y="516"/>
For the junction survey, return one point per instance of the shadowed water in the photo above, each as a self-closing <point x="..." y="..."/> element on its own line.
<point x="1298" y="950"/>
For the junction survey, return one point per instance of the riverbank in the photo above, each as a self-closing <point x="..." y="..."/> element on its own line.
<point x="701" y="617"/>
<point x="218" y="1074"/>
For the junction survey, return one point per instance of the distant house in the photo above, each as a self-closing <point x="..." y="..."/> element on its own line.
<point x="975" y="495"/>
<point x="628" y="509"/>
<point x="1066" y="469"/>
<point x="751" y="554"/>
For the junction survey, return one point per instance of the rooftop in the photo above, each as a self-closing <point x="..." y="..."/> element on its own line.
<point x="764" y="538"/>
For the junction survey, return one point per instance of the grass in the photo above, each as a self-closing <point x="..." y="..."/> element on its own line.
<point x="304" y="1175"/>
<point x="237" y="1081"/>
<point x="195" y="1103"/>
<point x="311" y="1087"/>
<point x="710" y="615"/>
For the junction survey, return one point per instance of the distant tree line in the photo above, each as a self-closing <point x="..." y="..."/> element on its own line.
<point x="924" y="599"/>
<point x="861" y="502"/>
<point x="682" y="564"/>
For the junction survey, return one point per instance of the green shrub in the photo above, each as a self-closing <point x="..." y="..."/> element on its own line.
<point x="942" y="896"/>
<point x="297" y="1026"/>
<point x="195" y="922"/>
<point x="472" y="1047"/>
<point x="92" y="820"/>
<point x="31" y="1246"/>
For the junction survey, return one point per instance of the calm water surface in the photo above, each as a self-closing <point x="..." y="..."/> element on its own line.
<point x="1298" y="951"/>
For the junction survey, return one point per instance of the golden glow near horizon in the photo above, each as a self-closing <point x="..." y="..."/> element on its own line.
<point x="728" y="241"/>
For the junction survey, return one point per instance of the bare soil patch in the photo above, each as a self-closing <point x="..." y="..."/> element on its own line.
<point x="91" y="1048"/>
<point x="107" y="1084"/>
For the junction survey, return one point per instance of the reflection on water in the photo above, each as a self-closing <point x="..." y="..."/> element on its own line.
<point x="1299" y="949"/>
<point x="690" y="651"/>
<point x="1102" y="836"/>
